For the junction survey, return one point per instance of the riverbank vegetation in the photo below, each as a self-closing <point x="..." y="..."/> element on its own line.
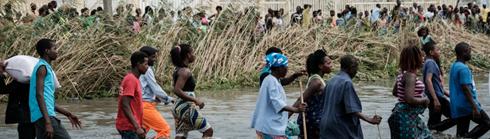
<point x="93" y="60"/>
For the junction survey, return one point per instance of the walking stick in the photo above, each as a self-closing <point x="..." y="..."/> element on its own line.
<point x="379" y="131"/>
<point x="304" y="114"/>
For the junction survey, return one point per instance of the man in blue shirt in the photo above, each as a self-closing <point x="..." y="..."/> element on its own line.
<point x="42" y="96"/>
<point x="342" y="108"/>
<point x="152" y="95"/>
<point x="465" y="106"/>
<point x="376" y="14"/>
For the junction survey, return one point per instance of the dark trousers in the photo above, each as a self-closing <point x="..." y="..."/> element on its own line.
<point x="59" y="131"/>
<point x="464" y="124"/>
<point x="26" y="131"/>
<point x="435" y="122"/>
<point x="129" y="135"/>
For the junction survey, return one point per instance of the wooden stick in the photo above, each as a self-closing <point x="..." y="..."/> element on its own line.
<point x="379" y="131"/>
<point x="304" y="114"/>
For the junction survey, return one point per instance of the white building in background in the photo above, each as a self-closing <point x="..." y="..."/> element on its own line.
<point x="287" y="5"/>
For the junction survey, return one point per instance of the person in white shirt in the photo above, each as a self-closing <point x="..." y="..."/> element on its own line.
<point x="270" y="117"/>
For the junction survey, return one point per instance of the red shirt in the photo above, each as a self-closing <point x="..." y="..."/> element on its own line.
<point x="130" y="86"/>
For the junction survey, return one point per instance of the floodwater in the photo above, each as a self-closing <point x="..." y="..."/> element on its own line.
<point x="229" y="112"/>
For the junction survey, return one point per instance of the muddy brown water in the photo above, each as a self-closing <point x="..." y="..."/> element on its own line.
<point x="229" y="112"/>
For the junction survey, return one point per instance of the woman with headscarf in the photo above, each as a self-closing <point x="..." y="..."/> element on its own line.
<point x="270" y="118"/>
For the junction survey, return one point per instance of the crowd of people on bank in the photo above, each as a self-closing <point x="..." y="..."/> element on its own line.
<point x="471" y="16"/>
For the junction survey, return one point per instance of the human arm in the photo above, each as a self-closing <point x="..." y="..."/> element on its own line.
<point x="3" y="86"/>
<point x="276" y="98"/>
<point x="75" y="122"/>
<point x="469" y="98"/>
<point x="313" y="87"/>
<point x="182" y="77"/>
<point x="375" y="120"/>
<point x="409" y="83"/>
<point x="125" y="101"/>
<point x="156" y="89"/>
<point x="290" y="79"/>
<point x="430" y="88"/>
<point x="466" y="82"/>
<point x="298" y="109"/>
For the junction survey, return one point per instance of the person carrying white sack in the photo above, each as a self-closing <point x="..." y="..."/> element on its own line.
<point x="20" y="69"/>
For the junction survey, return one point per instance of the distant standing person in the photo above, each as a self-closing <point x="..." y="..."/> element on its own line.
<point x="424" y="35"/>
<point x="185" y="110"/>
<point x="270" y="118"/>
<point x="216" y="15"/>
<point x="52" y="6"/>
<point x="405" y="121"/>
<point x="307" y="17"/>
<point x="465" y="106"/>
<point x="317" y="65"/>
<point x="342" y="108"/>
<point x="129" y="120"/>
<point x="153" y="94"/>
<point x="376" y="14"/>
<point x="297" y="17"/>
<point x="42" y="90"/>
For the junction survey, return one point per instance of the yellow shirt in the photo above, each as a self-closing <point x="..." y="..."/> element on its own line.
<point x="307" y="17"/>
<point x="484" y="14"/>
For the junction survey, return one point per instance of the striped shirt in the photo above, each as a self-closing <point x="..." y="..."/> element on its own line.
<point x="400" y="88"/>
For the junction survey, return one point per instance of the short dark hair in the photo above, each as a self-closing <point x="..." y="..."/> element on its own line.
<point x="51" y="4"/>
<point x="33" y="6"/>
<point x="148" y="50"/>
<point x="44" y="10"/>
<point x="429" y="46"/>
<point x="273" y="50"/>
<point x="347" y="61"/>
<point x="137" y="58"/>
<point x="99" y="9"/>
<point x="378" y="5"/>
<point x="461" y="48"/>
<point x="219" y="8"/>
<point x="419" y="32"/>
<point x="44" y="44"/>
<point x="410" y="57"/>
<point x="313" y="60"/>
<point x="84" y="10"/>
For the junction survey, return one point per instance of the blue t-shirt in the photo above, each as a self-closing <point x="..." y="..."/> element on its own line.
<point x="375" y="15"/>
<point x="431" y="67"/>
<point x="461" y="75"/>
<point x="49" y="89"/>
